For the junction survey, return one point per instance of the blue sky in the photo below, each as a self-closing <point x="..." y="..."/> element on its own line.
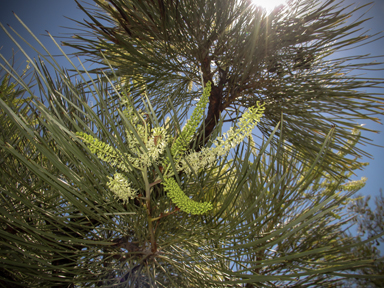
<point x="42" y="15"/>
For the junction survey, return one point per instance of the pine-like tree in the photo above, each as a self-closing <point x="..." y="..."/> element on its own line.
<point x="282" y="58"/>
<point x="370" y="226"/>
<point x="121" y="195"/>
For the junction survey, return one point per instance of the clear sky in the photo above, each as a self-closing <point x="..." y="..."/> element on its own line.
<point x="41" y="15"/>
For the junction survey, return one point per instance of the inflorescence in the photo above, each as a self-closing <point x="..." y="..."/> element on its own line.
<point x="153" y="152"/>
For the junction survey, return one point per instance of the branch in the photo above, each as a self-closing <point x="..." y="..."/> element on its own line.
<point x="149" y="217"/>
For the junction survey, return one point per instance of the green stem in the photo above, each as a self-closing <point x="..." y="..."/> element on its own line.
<point x="149" y="217"/>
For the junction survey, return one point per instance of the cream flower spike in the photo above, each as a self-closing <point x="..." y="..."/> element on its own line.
<point x="196" y="161"/>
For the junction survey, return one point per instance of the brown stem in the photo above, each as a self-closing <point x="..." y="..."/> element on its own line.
<point x="215" y="106"/>
<point x="150" y="228"/>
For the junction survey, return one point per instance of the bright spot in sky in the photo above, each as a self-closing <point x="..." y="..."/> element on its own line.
<point x="269" y="5"/>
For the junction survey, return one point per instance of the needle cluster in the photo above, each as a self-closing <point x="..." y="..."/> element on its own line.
<point x="156" y="140"/>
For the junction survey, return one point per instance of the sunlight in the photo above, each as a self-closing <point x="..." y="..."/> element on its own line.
<point x="269" y="5"/>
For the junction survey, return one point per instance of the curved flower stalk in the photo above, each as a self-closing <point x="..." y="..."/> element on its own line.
<point x="183" y="201"/>
<point x="156" y="140"/>
<point x="180" y="145"/>
<point x="104" y="151"/>
<point x="196" y="161"/>
<point x="354" y="185"/>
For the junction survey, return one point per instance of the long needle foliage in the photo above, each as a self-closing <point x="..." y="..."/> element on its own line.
<point x="118" y="194"/>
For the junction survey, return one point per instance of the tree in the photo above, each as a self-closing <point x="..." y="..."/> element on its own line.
<point x="281" y="59"/>
<point x="370" y="226"/>
<point x="66" y="211"/>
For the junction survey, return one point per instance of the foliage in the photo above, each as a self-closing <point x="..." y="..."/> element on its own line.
<point x="156" y="140"/>
<point x="370" y="228"/>
<point x="276" y="220"/>
<point x="282" y="59"/>
<point x="370" y="223"/>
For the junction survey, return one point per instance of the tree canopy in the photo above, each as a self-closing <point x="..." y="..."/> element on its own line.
<point x="126" y="193"/>
<point x="282" y="59"/>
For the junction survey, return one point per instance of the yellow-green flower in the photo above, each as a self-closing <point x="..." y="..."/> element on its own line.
<point x="157" y="139"/>
<point x="185" y="137"/>
<point x="182" y="201"/>
<point x="195" y="161"/>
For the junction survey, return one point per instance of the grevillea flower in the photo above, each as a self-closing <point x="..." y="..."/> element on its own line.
<point x="180" y="145"/>
<point x="155" y="146"/>
<point x="104" y="151"/>
<point x="121" y="187"/>
<point x="195" y="161"/>
<point x="183" y="201"/>
<point x="157" y="139"/>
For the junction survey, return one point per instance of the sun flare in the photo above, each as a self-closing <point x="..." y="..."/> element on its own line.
<point x="269" y="5"/>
